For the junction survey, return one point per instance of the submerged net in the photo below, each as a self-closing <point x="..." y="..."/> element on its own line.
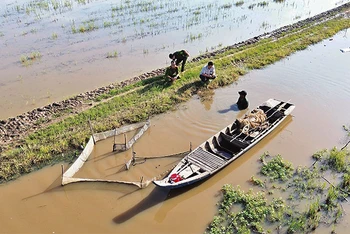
<point x="67" y="177"/>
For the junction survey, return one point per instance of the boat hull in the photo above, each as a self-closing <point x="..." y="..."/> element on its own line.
<point x="227" y="145"/>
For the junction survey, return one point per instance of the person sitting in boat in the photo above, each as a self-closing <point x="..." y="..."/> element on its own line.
<point x="172" y="72"/>
<point x="242" y="102"/>
<point x="208" y="72"/>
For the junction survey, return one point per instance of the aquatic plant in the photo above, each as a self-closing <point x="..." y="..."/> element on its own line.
<point x="313" y="214"/>
<point x="320" y="155"/>
<point x="251" y="7"/>
<point x="68" y="4"/>
<point x="230" y="220"/>
<point x="332" y="197"/>
<point x="337" y="159"/>
<point x="73" y="27"/>
<point x="296" y="224"/>
<point x="239" y="3"/>
<point x="54" y="36"/>
<point x="263" y="4"/>
<point x="27" y="59"/>
<point x="226" y="6"/>
<point x="277" y="169"/>
<point x="257" y="181"/>
<point x="240" y="212"/>
<point x="107" y="24"/>
<point x="82" y="2"/>
<point x="306" y="182"/>
<point x="112" y="54"/>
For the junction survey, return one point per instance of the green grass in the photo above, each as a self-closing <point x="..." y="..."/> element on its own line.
<point x="152" y="97"/>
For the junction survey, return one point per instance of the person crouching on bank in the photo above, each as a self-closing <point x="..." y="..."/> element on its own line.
<point x="208" y="72"/>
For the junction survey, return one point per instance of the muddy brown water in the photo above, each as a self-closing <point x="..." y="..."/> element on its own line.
<point x="316" y="80"/>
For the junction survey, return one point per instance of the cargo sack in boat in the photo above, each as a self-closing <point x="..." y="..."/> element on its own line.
<point x="174" y="178"/>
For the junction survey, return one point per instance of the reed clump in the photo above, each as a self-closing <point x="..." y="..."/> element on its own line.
<point x="29" y="58"/>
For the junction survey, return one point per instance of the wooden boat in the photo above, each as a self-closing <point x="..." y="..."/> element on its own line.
<point x="227" y="145"/>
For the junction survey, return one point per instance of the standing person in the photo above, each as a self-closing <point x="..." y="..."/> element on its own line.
<point x="172" y="72"/>
<point x="242" y="102"/>
<point x="208" y="72"/>
<point x="180" y="56"/>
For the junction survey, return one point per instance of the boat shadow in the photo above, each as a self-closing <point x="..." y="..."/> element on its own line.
<point x="157" y="196"/>
<point x="160" y="195"/>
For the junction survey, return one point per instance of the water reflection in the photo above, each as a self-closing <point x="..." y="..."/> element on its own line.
<point x="206" y="96"/>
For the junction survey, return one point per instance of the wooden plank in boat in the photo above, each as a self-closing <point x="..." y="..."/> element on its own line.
<point x="200" y="152"/>
<point x="205" y="159"/>
<point x="202" y="164"/>
<point x="209" y="160"/>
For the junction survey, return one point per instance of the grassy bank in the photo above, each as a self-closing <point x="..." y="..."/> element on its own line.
<point x="61" y="141"/>
<point x="289" y="200"/>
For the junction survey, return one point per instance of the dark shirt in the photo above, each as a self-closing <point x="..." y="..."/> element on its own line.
<point x="172" y="72"/>
<point x="180" y="55"/>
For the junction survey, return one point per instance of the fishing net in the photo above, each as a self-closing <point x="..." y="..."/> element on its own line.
<point x="67" y="176"/>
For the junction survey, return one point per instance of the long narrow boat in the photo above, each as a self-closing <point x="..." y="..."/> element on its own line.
<point x="227" y="145"/>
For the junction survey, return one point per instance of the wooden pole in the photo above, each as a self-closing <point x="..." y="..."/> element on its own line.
<point x="114" y="145"/>
<point x="62" y="169"/>
<point x="125" y="141"/>
<point x="92" y="132"/>
<point x="345" y="145"/>
<point x="133" y="155"/>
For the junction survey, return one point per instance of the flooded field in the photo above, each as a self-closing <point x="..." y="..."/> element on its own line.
<point x="56" y="49"/>
<point x="315" y="80"/>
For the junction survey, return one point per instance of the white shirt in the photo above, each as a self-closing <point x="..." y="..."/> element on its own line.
<point x="208" y="71"/>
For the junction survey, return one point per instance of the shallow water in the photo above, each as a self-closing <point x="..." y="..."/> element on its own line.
<point x="315" y="80"/>
<point x="142" y="33"/>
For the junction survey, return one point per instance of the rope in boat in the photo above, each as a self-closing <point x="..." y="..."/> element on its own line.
<point x="253" y="120"/>
<point x="257" y="119"/>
